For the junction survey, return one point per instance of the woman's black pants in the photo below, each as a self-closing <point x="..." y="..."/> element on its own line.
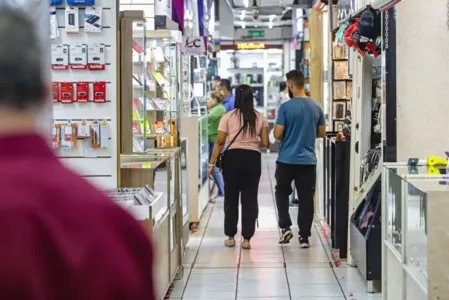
<point x="241" y="173"/>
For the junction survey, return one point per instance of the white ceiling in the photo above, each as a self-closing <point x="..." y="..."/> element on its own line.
<point x="266" y="9"/>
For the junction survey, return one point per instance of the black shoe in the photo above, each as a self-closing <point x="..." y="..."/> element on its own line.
<point x="294" y="202"/>
<point x="304" y="243"/>
<point x="287" y="235"/>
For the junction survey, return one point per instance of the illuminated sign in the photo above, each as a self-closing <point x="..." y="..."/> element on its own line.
<point x="250" y="46"/>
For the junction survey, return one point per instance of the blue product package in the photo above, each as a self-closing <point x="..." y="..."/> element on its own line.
<point x="55" y="2"/>
<point x="80" y="2"/>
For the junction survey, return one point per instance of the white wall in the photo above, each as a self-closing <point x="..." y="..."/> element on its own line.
<point x="422" y="79"/>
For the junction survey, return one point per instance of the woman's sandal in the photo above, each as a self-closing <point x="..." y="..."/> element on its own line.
<point x="230" y="242"/>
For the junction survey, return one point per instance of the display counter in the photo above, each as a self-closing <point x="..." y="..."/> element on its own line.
<point x="159" y="173"/>
<point x="196" y="130"/>
<point x="415" y="240"/>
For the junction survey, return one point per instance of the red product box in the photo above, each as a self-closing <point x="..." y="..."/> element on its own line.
<point x="100" y="92"/>
<point x="55" y="91"/>
<point x="66" y="92"/>
<point x="82" y="92"/>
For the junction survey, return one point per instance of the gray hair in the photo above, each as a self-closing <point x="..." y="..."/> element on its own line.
<point x="21" y="75"/>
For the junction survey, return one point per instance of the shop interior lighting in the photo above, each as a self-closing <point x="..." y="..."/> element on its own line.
<point x="272" y="17"/>
<point x="243" y="25"/>
<point x="242" y="15"/>
<point x="246" y="3"/>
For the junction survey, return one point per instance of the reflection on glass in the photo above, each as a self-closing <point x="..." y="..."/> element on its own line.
<point x="394" y="210"/>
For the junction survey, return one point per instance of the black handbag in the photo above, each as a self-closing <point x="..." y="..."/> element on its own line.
<point x="220" y="159"/>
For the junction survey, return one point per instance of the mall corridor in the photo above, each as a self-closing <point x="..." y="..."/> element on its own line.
<point x="268" y="270"/>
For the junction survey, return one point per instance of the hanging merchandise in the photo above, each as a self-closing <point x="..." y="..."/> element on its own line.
<point x="100" y="92"/>
<point x="96" y="57"/>
<point x="56" y="136"/>
<point x="78" y="57"/>
<point x="354" y="39"/>
<point x="371" y="28"/>
<point x="80" y="2"/>
<point x="83" y="130"/>
<point x="68" y="135"/>
<point x="55" y="91"/>
<point x="59" y="57"/>
<point x="66" y="92"/>
<point x="72" y="19"/>
<point x="340" y="35"/>
<point x="53" y="23"/>
<point x="82" y="92"/>
<point x="93" y="19"/>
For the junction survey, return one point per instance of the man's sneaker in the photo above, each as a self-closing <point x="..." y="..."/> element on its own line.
<point x="304" y="243"/>
<point x="287" y="235"/>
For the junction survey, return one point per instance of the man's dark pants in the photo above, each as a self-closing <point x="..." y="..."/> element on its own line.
<point x="305" y="180"/>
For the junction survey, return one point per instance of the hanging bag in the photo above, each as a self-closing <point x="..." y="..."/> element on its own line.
<point x="219" y="163"/>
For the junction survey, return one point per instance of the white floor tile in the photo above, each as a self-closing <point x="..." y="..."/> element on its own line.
<point x="268" y="271"/>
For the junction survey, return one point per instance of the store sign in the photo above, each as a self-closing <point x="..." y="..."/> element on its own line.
<point x="194" y="46"/>
<point x="256" y="33"/>
<point x="250" y="46"/>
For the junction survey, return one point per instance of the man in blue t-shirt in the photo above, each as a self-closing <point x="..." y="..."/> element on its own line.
<point x="224" y="87"/>
<point x="300" y="121"/>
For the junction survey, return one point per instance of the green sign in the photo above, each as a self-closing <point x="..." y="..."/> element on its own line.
<point x="256" y="33"/>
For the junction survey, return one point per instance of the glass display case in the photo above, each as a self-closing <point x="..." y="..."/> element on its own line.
<point x="203" y="146"/>
<point x="150" y="82"/>
<point x="416" y="206"/>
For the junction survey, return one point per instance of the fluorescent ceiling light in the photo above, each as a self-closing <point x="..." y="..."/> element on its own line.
<point x="272" y="17"/>
<point x="270" y="25"/>
<point x="242" y="15"/>
<point x="243" y="25"/>
<point x="246" y="3"/>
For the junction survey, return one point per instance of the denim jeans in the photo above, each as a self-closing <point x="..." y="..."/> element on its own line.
<point x="216" y="174"/>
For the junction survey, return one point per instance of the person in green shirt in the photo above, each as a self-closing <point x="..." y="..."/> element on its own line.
<point x="216" y="112"/>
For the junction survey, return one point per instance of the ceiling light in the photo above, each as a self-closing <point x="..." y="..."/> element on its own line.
<point x="242" y="15"/>
<point x="272" y="17"/>
<point x="246" y="3"/>
<point x="243" y="25"/>
<point x="270" y="25"/>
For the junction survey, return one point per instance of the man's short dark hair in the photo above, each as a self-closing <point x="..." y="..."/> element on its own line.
<point x="21" y="74"/>
<point x="216" y="78"/>
<point x="282" y="86"/>
<point x="226" y="84"/>
<point x="297" y="77"/>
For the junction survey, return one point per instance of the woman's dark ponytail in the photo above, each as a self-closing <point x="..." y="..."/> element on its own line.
<point x="244" y="103"/>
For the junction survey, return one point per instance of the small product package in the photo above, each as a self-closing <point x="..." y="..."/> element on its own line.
<point x="100" y="92"/>
<point x="96" y="59"/>
<point x="55" y="91"/>
<point x="78" y="57"/>
<point x="59" y="57"/>
<point x="66" y="92"/>
<point x="72" y="23"/>
<point x="93" y="19"/>
<point x="82" y="91"/>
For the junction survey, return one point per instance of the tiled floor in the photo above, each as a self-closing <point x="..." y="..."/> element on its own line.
<point x="268" y="270"/>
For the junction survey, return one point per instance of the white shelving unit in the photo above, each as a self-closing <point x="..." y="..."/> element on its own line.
<point x="98" y="165"/>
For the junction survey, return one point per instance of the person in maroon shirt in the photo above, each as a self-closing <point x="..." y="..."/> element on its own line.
<point x="61" y="238"/>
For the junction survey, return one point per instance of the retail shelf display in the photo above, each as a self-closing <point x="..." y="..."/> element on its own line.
<point x="414" y="237"/>
<point x="341" y="87"/>
<point x="150" y="88"/>
<point x="158" y="171"/>
<point x="83" y="58"/>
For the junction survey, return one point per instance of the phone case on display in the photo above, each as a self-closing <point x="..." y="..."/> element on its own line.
<point x="80" y="2"/>
<point x="82" y="92"/>
<point x="55" y="91"/>
<point x="66" y="92"/>
<point x="100" y="92"/>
